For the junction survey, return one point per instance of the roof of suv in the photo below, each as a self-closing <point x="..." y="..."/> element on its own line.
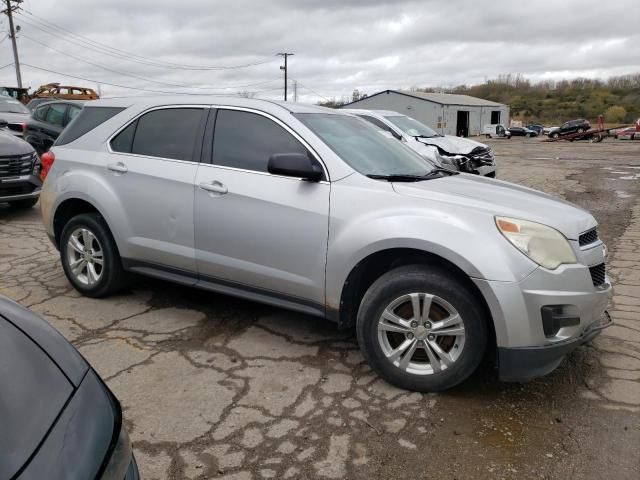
<point x="209" y="100"/>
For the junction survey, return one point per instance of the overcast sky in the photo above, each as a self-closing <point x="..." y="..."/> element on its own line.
<point x="339" y="45"/>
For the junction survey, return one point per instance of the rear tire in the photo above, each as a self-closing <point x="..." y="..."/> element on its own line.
<point x="443" y="344"/>
<point x="24" y="204"/>
<point x="554" y="135"/>
<point x="90" y="257"/>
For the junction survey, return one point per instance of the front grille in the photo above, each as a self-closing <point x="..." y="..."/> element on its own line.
<point x="14" y="166"/>
<point x="15" y="190"/>
<point x="588" y="237"/>
<point x="598" y="274"/>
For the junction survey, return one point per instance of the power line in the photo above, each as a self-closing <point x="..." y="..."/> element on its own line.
<point x="312" y="91"/>
<point x="125" y="86"/>
<point x="108" y="50"/>
<point x="132" y="75"/>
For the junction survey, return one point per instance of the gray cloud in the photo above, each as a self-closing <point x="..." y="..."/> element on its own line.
<point x="339" y="45"/>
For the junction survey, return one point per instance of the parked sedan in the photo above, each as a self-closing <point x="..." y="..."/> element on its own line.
<point x="522" y="132"/>
<point x="48" y="121"/>
<point x="59" y="420"/>
<point x="536" y="127"/>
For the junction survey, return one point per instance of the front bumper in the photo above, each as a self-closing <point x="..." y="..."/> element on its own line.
<point x="528" y="344"/>
<point x="19" y="188"/>
<point x="526" y="363"/>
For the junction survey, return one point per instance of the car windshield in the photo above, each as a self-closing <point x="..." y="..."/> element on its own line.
<point x="412" y="127"/>
<point x="362" y="147"/>
<point x="12" y="106"/>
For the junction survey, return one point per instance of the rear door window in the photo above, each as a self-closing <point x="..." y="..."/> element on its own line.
<point x="246" y="140"/>
<point x="40" y="112"/>
<point x="72" y="113"/>
<point x="55" y="114"/>
<point x="165" y="133"/>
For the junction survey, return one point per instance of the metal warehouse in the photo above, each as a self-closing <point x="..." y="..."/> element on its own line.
<point x="447" y="113"/>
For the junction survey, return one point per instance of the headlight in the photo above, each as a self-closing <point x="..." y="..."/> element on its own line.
<point x="544" y="245"/>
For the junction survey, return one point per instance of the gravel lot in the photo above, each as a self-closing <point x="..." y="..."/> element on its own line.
<point x="215" y="387"/>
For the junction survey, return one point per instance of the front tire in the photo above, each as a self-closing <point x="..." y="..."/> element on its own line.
<point x="90" y="257"/>
<point x="422" y="329"/>
<point x="24" y="204"/>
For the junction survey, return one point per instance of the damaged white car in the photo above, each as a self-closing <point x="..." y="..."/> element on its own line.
<point x="453" y="153"/>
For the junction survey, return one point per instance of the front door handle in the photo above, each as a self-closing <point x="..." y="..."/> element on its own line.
<point x="118" y="167"/>
<point x="214" y="187"/>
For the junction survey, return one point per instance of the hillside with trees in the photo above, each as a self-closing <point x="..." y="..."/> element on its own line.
<point x="553" y="102"/>
<point x="549" y="102"/>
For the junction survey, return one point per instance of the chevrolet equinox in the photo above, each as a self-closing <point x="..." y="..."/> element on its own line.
<point x="313" y="210"/>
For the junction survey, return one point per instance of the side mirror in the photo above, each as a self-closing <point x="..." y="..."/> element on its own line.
<point x="4" y="124"/>
<point x="294" y="165"/>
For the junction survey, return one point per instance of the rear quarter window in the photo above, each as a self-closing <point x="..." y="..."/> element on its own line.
<point x="88" y="119"/>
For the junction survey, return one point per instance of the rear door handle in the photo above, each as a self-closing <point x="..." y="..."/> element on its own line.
<point x="118" y="167"/>
<point x="214" y="187"/>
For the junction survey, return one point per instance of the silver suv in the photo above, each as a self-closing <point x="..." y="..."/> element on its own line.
<point x="313" y="210"/>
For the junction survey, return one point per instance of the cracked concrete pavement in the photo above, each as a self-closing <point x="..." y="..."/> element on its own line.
<point x="216" y="387"/>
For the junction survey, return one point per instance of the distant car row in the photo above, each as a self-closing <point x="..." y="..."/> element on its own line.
<point x="41" y="125"/>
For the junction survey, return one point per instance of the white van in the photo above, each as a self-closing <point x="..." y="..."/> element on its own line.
<point x="496" y="130"/>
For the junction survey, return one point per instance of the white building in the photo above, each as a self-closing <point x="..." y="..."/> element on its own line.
<point x="448" y="114"/>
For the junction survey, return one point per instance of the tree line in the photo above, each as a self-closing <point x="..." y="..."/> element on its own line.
<point x="556" y="101"/>
<point x="549" y="101"/>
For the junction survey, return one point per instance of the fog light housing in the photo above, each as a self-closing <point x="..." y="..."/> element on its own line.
<point x="555" y="317"/>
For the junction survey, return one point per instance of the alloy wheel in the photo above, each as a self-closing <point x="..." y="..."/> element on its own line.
<point x="421" y="333"/>
<point x="85" y="257"/>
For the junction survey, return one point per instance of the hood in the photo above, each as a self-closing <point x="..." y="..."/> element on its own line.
<point x="15" y="117"/>
<point x="34" y="391"/>
<point x="12" y="145"/>
<point x="453" y="144"/>
<point x="495" y="197"/>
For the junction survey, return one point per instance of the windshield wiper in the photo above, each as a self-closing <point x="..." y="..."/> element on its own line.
<point x="398" y="177"/>
<point x="427" y="136"/>
<point x="435" y="173"/>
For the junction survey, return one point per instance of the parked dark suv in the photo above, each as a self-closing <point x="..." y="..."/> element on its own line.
<point x="573" y="126"/>
<point x="47" y="122"/>
<point x="19" y="171"/>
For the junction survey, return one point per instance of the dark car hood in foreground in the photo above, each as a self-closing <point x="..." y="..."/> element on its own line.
<point x="34" y="391"/>
<point x="39" y="371"/>
<point x="12" y="145"/>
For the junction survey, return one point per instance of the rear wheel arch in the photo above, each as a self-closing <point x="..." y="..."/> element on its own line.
<point x="370" y="268"/>
<point x="68" y="209"/>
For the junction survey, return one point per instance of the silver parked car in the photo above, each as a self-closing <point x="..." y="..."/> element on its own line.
<point x="313" y="210"/>
<point x="447" y="151"/>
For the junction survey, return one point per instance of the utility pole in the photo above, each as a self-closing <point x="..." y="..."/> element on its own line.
<point x="295" y="91"/>
<point x="285" y="55"/>
<point x="12" y="34"/>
